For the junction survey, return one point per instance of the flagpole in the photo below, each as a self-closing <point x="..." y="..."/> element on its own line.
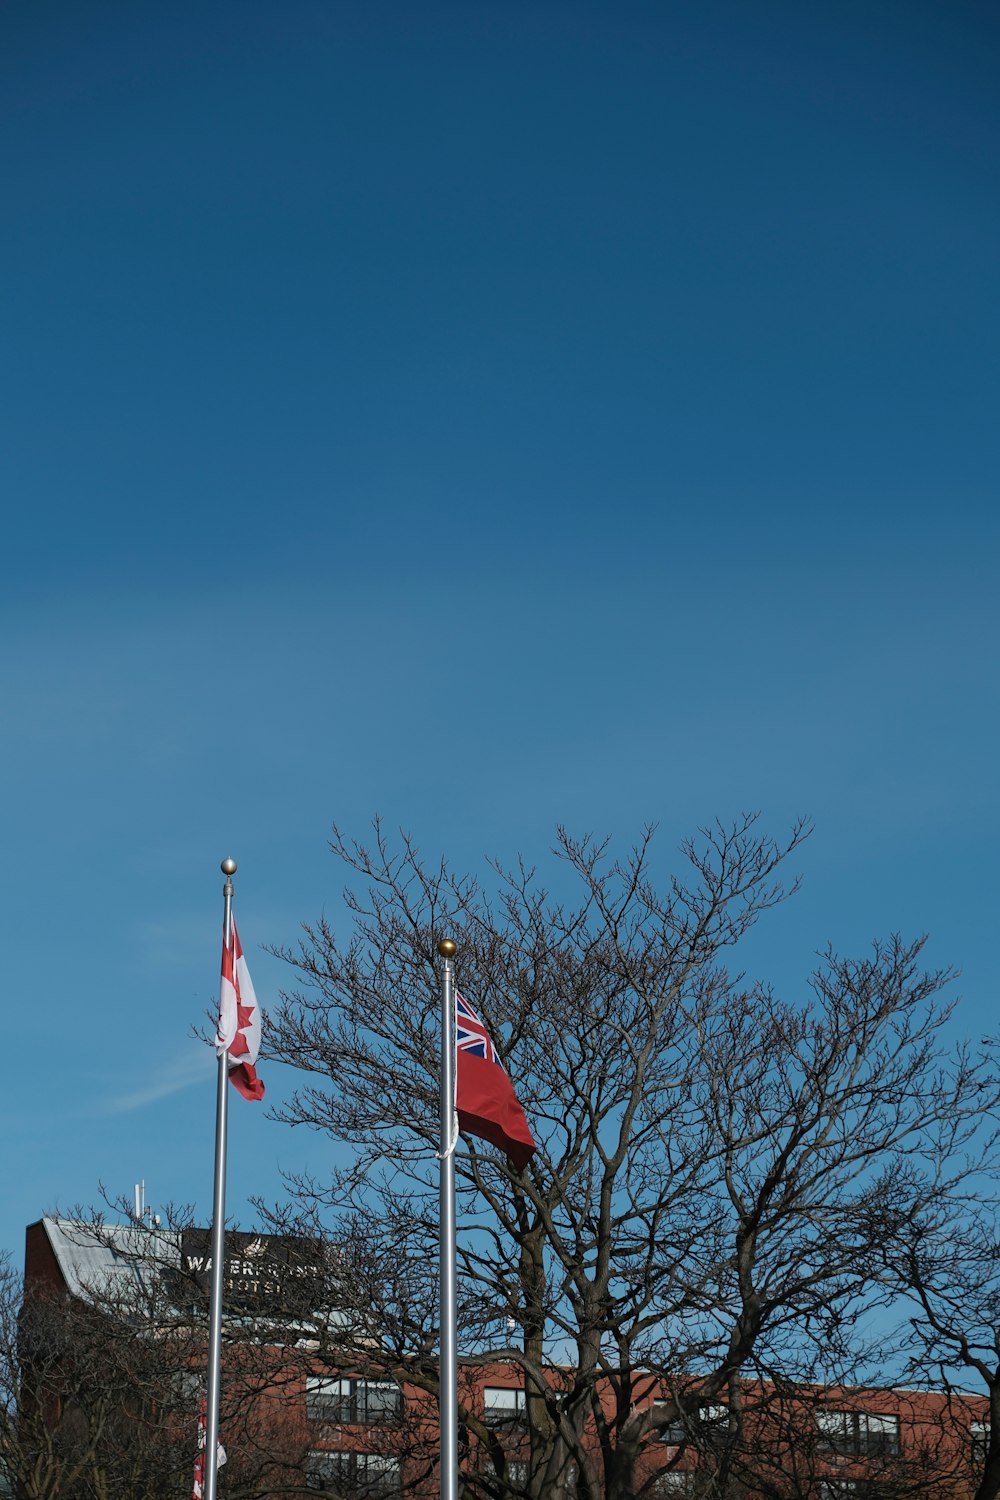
<point x="448" y="1393"/>
<point x="228" y="868"/>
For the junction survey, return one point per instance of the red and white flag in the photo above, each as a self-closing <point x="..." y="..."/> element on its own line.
<point x="484" y="1096"/>
<point x="198" y="1492"/>
<point x="239" y="1020"/>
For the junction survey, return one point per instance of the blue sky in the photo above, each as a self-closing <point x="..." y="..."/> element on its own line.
<point x="488" y="415"/>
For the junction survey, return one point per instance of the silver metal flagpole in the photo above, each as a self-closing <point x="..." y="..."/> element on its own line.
<point x="448" y="1397"/>
<point x="228" y="868"/>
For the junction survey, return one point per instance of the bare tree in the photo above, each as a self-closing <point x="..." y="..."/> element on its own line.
<point x="105" y="1375"/>
<point x="90" y="1408"/>
<point x="712" y="1159"/>
<point x="795" y="1442"/>
<point x="941" y="1252"/>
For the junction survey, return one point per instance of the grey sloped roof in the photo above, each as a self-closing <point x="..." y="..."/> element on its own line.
<point x="109" y="1261"/>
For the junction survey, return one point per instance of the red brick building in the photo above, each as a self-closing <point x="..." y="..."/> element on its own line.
<point x="314" y="1422"/>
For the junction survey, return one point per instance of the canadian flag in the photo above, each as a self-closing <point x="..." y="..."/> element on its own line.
<point x="198" y="1492"/>
<point x="239" y="1019"/>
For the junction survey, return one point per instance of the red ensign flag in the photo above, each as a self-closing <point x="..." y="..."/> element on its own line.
<point x="239" y="1020"/>
<point x="484" y="1096"/>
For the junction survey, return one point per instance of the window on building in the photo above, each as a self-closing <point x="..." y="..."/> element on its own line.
<point x="836" y="1489"/>
<point x="340" y="1398"/>
<point x="503" y="1406"/>
<point x="708" y="1421"/>
<point x="979" y="1433"/>
<point x="513" y="1470"/>
<point x="673" y="1482"/>
<point x="377" y="1400"/>
<point x="189" y="1386"/>
<point x="706" y="1425"/>
<point x="374" y="1475"/>
<point x="675" y="1433"/>
<point x="858" y="1434"/>
<point x="713" y="1417"/>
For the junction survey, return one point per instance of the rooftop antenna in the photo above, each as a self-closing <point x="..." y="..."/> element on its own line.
<point x="142" y="1214"/>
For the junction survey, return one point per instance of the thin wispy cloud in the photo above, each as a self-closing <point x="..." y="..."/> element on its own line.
<point x="195" y="1066"/>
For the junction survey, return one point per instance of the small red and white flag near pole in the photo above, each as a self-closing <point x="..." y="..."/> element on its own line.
<point x="198" y="1493"/>
<point x="239" y="1019"/>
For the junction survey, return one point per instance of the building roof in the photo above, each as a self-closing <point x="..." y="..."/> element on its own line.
<point x="109" y="1260"/>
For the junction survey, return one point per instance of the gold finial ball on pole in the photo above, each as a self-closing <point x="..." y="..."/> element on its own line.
<point x="447" y="948"/>
<point x="228" y="867"/>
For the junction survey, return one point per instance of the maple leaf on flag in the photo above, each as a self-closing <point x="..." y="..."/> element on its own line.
<point x="239" y="1019"/>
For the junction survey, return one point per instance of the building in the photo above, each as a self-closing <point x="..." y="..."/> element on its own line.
<point x="301" y="1414"/>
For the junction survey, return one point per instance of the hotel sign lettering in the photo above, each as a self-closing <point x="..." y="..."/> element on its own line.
<point x="263" y="1272"/>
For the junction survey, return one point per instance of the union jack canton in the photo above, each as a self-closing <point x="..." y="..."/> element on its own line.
<point x="471" y="1035"/>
